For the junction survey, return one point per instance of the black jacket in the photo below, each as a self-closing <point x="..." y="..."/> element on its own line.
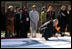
<point x="18" y="20"/>
<point x="69" y="18"/>
<point x="62" y="19"/>
<point x="3" y="21"/>
<point x="50" y="17"/>
<point x="48" y="29"/>
<point x="26" y="20"/>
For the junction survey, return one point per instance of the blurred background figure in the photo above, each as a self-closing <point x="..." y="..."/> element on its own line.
<point x="62" y="17"/>
<point x="16" y="10"/>
<point x="26" y="21"/>
<point x="50" y="13"/>
<point x="69" y="19"/>
<point x="23" y="8"/>
<point x="10" y="16"/>
<point x="43" y="15"/>
<point x="3" y="20"/>
<point x="34" y="18"/>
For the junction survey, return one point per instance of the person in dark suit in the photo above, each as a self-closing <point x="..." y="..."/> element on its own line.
<point x="48" y="28"/>
<point x="20" y="24"/>
<point x="69" y="19"/>
<point x="62" y="17"/>
<point x="50" y="14"/>
<point x="26" y="21"/>
<point x="17" y="25"/>
<point x="3" y="21"/>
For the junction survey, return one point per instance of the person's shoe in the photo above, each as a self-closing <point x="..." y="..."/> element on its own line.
<point x="42" y="35"/>
<point x="63" y="34"/>
<point x="47" y="39"/>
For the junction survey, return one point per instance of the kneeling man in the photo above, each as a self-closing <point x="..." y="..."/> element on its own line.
<point x="49" y="28"/>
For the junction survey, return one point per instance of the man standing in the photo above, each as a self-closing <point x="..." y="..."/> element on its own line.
<point x="69" y="19"/>
<point x="34" y="18"/>
<point x="26" y="21"/>
<point x="20" y="25"/>
<point x="49" y="28"/>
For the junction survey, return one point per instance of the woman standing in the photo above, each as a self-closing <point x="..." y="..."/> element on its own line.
<point x="50" y="14"/>
<point x="62" y="17"/>
<point x="43" y="15"/>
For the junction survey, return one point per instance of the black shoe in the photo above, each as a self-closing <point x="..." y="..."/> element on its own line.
<point x="46" y="39"/>
<point x="63" y="35"/>
<point x="42" y="35"/>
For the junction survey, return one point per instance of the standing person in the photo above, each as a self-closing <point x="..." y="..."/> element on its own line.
<point x="69" y="19"/>
<point x="16" y="10"/>
<point x="34" y="18"/>
<point x="20" y="24"/>
<point x="62" y="17"/>
<point x="3" y="20"/>
<point x="49" y="28"/>
<point x="26" y="21"/>
<point x="50" y="14"/>
<point x="23" y="8"/>
<point x="17" y="23"/>
<point x="10" y="21"/>
<point x="43" y="15"/>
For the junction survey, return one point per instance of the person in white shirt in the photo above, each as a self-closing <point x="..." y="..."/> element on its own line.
<point x="34" y="18"/>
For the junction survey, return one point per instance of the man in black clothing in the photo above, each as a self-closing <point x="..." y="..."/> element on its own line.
<point x="69" y="19"/>
<point x="48" y="29"/>
<point x="26" y="21"/>
<point x="62" y="18"/>
<point x="3" y="23"/>
<point x="19" y="24"/>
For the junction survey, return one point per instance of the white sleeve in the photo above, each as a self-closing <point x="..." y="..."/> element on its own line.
<point x="30" y="15"/>
<point x="38" y="16"/>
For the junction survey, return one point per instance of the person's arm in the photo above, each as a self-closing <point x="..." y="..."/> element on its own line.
<point x="59" y="17"/>
<point x="46" y="24"/>
<point x="47" y="17"/>
<point x="55" y="31"/>
<point x="59" y="14"/>
<point x="30" y="15"/>
<point x="37" y="16"/>
<point x="42" y="17"/>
